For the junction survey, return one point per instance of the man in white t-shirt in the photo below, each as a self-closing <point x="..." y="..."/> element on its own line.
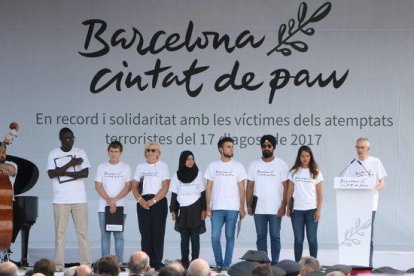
<point x="368" y="166"/>
<point x="266" y="195"/>
<point x="113" y="183"/>
<point x="68" y="166"/>
<point x="225" y="196"/>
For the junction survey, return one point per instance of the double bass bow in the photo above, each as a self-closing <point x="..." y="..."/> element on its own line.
<point x="6" y="195"/>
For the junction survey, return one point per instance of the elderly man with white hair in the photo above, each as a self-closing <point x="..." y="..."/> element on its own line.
<point x="199" y="267"/>
<point x="8" y="269"/>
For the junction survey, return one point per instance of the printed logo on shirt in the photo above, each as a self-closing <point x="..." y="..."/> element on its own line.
<point x="113" y="174"/>
<point x="150" y="174"/>
<point x="188" y="184"/>
<point x="225" y="173"/>
<point x="266" y="173"/>
<point x="364" y="173"/>
<point x="303" y="179"/>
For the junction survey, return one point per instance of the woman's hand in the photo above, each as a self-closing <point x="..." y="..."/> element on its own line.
<point x="173" y="216"/>
<point x="208" y="212"/>
<point x="317" y="215"/>
<point x="143" y="203"/>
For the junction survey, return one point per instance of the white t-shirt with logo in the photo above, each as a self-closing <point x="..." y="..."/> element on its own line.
<point x="304" y="193"/>
<point x="268" y="180"/>
<point x="225" y="190"/>
<point x="153" y="176"/>
<point x="187" y="193"/>
<point x="113" y="178"/>
<point x="73" y="191"/>
<point x="371" y="167"/>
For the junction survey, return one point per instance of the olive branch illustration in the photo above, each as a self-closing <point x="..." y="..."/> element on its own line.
<point x="286" y="32"/>
<point x="354" y="232"/>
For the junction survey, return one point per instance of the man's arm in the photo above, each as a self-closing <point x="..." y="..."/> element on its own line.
<point x="242" y="194"/>
<point x="282" y="210"/>
<point x="80" y="174"/>
<point x="380" y="185"/>
<point x="124" y="191"/>
<point x="249" y="195"/>
<point x="110" y="201"/>
<point x="8" y="169"/>
<point x="289" y="194"/>
<point x="209" y="187"/>
<point x="62" y="171"/>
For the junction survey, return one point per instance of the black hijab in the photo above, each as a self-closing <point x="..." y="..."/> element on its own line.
<point x="184" y="173"/>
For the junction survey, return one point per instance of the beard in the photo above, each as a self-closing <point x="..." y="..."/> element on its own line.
<point x="228" y="155"/>
<point x="267" y="153"/>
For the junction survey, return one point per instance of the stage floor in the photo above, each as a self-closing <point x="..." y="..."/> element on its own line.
<point x="401" y="260"/>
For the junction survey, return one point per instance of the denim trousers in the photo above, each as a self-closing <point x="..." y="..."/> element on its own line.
<point x="218" y="219"/>
<point x="302" y="219"/>
<point x="273" y="223"/>
<point x="106" y="239"/>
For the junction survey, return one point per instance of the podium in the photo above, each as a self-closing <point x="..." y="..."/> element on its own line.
<point x="354" y="196"/>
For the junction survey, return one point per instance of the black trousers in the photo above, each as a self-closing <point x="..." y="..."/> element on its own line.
<point x="188" y="234"/>
<point x="19" y="218"/>
<point x="151" y="225"/>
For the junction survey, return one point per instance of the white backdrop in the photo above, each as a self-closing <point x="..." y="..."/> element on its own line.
<point x="342" y="72"/>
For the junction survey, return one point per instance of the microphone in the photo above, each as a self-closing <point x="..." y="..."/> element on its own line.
<point x="369" y="174"/>
<point x="342" y="172"/>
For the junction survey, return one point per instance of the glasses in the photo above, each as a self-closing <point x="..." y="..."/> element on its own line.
<point x="269" y="146"/>
<point x="363" y="147"/>
<point x="150" y="150"/>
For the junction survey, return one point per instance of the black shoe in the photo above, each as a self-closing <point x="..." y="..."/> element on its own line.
<point x="217" y="269"/>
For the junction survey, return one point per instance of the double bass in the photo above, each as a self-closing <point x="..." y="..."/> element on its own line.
<point x="6" y="197"/>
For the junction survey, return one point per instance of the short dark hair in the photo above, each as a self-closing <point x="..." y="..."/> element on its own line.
<point x="224" y="140"/>
<point x="116" y="145"/>
<point x="108" y="265"/>
<point x="45" y="266"/>
<point x="64" y="130"/>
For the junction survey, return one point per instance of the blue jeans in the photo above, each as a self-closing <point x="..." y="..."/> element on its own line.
<point x="106" y="240"/>
<point x="300" y="220"/>
<point x="218" y="219"/>
<point x="274" y="222"/>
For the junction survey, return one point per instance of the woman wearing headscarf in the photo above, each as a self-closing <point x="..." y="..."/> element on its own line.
<point x="188" y="206"/>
